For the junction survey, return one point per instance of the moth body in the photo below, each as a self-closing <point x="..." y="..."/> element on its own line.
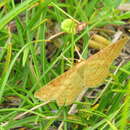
<point x="86" y="74"/>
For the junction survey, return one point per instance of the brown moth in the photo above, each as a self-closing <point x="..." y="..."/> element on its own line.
<point x="86" y="74"/>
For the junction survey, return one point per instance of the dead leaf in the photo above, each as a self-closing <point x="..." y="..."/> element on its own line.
<point x="86" y="74"/>
<point x="98" y="42"/>
<point x="100" y="39"/>
<point x="96" y="45"/>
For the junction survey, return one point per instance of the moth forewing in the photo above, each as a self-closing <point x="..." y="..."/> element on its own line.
<point x="97" y="66"/>
<point x="64" y="89"/>
<point x="73" y="86"/>
<point x="95" y="74"/>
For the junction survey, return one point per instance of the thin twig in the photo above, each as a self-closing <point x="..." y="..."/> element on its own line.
<point x="54" y="36"/>
<point x="73" y="107"/>
<point x="108" y="83"/>
<point x="80" y="56"/>
<point x="22" y="114"/>
<point x="34" y="108"/>
<point x="117" y="35"/>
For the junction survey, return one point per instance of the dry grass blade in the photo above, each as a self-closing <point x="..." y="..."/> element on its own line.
<point x="124" y="7"/>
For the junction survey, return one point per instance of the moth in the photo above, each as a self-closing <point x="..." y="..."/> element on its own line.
<point x="86" y="74"/>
